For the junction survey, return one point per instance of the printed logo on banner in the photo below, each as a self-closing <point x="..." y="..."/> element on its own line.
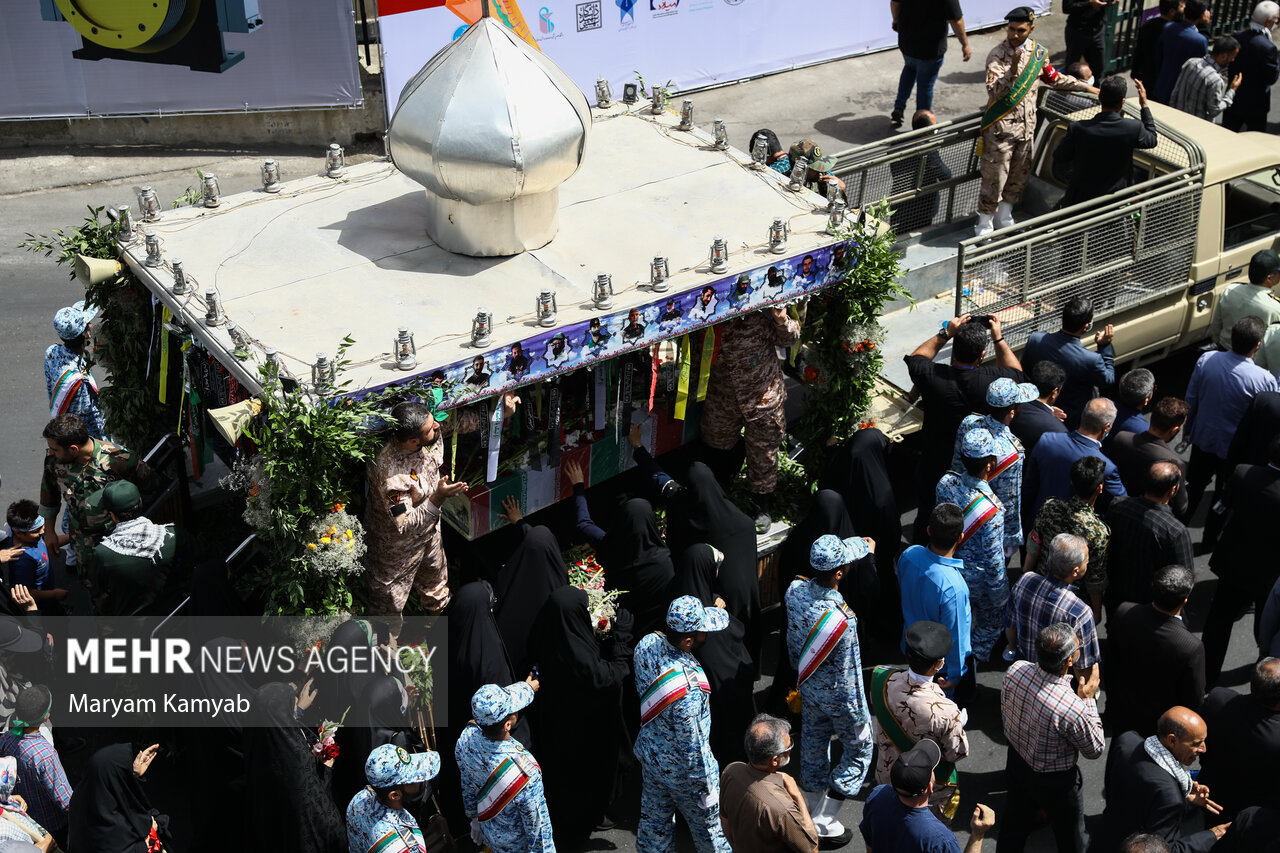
<point x="590" y="16"/>
<point x="544" y="21"/>
<point x="734" y="2"/>
<point x="626" y="9"/>
<point x="663" y="8"/>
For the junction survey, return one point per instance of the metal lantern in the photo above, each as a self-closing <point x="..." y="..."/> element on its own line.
<point x="148" y="204"/>
<point x="481" y="328"/>
<point x="778" y="234"/>
<point x="240" y="339"/>
<point x="323" y="372"/>
<point x="179" y="278"/>
<point x="798" y="170"/>
<point x="602" y="291"/>
<point x="659" y="101"/>
<point x="660" y="274"/>
<point x="211" y="195"/>
<point x="335" y="161"/>
<point x="153" y="251"/>
<point x="271" y="176"/>
<point x="722" y="134"/>
<point x="719" y="255"/>
<point x="686" y="115"/>
<point x="836" y="219"/>
<point x="833" y="195"/>
<point x="406" y="349"/>
<point x="212" y="310"/>
<point x="604" y="95"/>
<point x="546" y="308"/>
<point x="273" y="362"/>
<point x="760" y="153"/>
<point x="127" y="234"/>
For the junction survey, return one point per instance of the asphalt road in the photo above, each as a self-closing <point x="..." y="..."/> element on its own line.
<point x="838" y="104"/>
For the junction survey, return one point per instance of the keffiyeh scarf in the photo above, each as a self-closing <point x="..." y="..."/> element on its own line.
<point x="1162" y="756"/>
<point x="138" y="538"/>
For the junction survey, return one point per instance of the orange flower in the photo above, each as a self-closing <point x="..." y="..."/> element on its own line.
<point x="870" y="344"/>
<point x="793" y="702"/>
<point x="338" y="507"/>
<point x="253" y="490"/>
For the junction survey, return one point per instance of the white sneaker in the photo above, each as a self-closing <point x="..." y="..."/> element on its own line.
<point x="984" y="226"/>
<point x="1004" y="215"/>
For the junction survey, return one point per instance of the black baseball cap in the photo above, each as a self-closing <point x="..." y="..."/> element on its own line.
<point x="913" y="770"/>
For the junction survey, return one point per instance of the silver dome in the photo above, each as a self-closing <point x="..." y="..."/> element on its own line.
<point x="491" y="127"/>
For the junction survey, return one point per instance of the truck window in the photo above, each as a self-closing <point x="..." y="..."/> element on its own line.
<point x="1252" y="208"/>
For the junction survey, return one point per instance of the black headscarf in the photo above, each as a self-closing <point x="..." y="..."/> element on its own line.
<point x="477" y="655"/>
<point x="379" y="717"/>
<point x="338" y="691"/>
<point x="827" y="515"/>
<point x="701" y="513"/>
<point x="723" y="656"/>
<point x="110" y="811"/>
<point x="635" y="559"/>
<point x="858" y="470"/>
<point x="288" y="797"/>
<point x="534" y="571"/>
<point x="579" y="703"/>
<point x="220" y="683"/>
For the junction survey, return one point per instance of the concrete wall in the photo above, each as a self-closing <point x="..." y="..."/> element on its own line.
<point x="358" y="126"/>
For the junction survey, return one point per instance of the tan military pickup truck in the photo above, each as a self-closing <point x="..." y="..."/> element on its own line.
<point x="1153" y="258"/>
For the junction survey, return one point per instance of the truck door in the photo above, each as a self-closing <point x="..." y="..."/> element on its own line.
<point x="1250" y="222"/>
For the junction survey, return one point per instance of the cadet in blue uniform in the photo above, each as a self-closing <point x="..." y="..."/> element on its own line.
<point x="822" y="639"/>
<point x="1003" y="396"/>
<point x="982" y="538"/>
<point x="377" y="818"/>
<point x="501" y="783"/>
<point x="674" y="744"/>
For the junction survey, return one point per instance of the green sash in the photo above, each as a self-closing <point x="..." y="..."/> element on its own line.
<point x="1001" y="107"/>
<point x="944" y="775"/>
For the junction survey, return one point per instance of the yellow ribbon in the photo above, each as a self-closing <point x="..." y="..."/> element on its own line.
<point x="682" y="389"/>
<point x="165" y="316"/>
<point x="704" y="368"/>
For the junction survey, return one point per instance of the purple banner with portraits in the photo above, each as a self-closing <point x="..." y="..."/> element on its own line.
<point x="562" y="349"/>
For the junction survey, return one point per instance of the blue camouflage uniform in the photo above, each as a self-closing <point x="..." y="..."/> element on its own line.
<point x="376" y="828"/>
<point x="674" y="744"/>
<point x="501" y="782"/>
<point x="822" y="640"/>
<point x="982" y="543"/>
<point x="1006" y="479"/>
<point x="70" y="323"/>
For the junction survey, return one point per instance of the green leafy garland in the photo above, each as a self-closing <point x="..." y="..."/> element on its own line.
<point x="842" y="342"/>
<point x="121" y="332"/>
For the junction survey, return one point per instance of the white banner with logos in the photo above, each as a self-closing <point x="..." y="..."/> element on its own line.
<point x="692" y="43"/>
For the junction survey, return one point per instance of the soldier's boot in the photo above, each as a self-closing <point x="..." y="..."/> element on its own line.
<point x="984" y="226"/>
<point x="1004" y="215"/>
<point x="823" y="809"/>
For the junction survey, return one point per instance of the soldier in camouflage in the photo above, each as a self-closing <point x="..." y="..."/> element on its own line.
<point x="747" y="397"/>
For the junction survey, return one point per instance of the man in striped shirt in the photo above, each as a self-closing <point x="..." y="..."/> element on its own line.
<point x="1038" y="601"/>
<point x="1048" y="727"/>
<point x="1202" y="88"/>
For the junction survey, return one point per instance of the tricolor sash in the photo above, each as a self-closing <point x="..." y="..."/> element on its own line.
<point x="822" y="639"/>
<point x="403" y="840"/>
<point x="669" y="688"/>
<point x="504" y="783"/>
<point x="979" y="511"/>
<point x="1003" y="465"/>
<point x="66" y="388"/>
<point x="1001" y="107"/>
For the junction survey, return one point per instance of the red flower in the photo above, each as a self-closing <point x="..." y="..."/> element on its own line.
<point x="810" y="373"/>
<point x="602" y="624"/>
<point x="330" y="751"/>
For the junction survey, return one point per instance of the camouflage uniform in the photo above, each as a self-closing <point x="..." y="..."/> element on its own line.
<point x="107" y="463"/>
<point x="1006" y="479"/>
<point x="1006" y="155"/>
<point x="405" y="551"/>
<point x="1074" y="516"/>
<point x="674" y="744"/>
<point x="832" y="697"/>
<point x="501" y="781"/>
<point x="747" y="394"/>
<point x="981" y="548"/>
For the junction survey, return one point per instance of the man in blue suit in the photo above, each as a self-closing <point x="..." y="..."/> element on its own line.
<point x="1041" y="415"/>
<point x="1179" y="41"/>
<point x="1086" y="371"/>
<point x="1048" y="471"/>
<point x="1258" y="64"/>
